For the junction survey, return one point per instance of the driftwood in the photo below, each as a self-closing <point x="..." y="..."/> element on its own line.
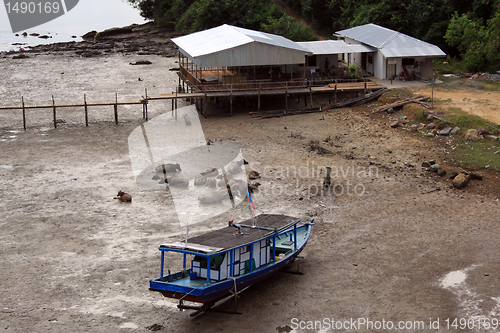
<point x="351" y="102"/>
<point x="403" y="102"/>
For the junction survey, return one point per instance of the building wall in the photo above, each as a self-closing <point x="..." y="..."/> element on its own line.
<point x="379" y="65"/>
<point x="426" y="68"/>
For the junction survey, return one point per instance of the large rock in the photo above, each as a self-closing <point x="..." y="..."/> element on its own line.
<point x="394" y="124"/>
<point x="414" y="128"/>
<point x="456" y="130"/>
<point x="473" y="135"/>
<point x="435" y="167"/>
<point x="491" y="137"/>
<point x="430" y="126"/>
<point x="445" y="131"/>
<point x="461" y="180"/>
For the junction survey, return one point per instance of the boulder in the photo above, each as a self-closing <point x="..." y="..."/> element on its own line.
<point x="426" y="164"/>
<point x="491" y="137"/>
<point x="414" y="128"/>
<point x="455" y="130"/>
<point x="461" y="180"/>
<point x="177" y="181"/>
<point x="472" y="134"/>
<point x="445" y="131"/>
<point x="476" y="176"/>
<point x="441" y="172"/>
<point x="200" y="181"/>
<point x="394" y="124"/>
<point x="435" y="167"/>
<point x="210" y="198"/>
<point x="430" y="126"/>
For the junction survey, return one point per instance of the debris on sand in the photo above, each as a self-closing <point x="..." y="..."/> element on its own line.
<point x="315" y="146"/>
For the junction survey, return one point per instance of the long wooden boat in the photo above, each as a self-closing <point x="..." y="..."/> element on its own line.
<point x="225" y="261"/>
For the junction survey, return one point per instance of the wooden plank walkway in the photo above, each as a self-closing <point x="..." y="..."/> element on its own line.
<point x="275" y="88"/>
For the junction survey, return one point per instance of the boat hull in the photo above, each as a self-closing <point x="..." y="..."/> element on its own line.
<point x="225" y="288"/>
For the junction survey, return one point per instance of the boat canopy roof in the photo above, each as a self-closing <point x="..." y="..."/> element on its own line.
<point x="226" y="238"/>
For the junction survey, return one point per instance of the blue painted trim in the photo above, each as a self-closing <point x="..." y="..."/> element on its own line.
<point x="162" y="262"/>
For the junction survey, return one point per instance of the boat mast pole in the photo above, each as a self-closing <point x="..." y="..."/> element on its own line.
<point x="251" y="215"/>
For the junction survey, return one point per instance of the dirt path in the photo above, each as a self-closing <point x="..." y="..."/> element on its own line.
<point x="76" y="260"/>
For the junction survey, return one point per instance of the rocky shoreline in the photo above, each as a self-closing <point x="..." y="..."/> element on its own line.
<point x="140" y="39"/>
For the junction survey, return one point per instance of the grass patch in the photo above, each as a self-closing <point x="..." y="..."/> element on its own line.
<point x="415" y="112"/>
<point x="467" y="121"/>
<point x="454" y="66"/>
<point x="473" y="155"/>
<point x="491" y="85"/>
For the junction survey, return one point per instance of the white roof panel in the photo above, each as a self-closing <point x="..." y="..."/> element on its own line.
<point x="219" y="47"/>
<point x="334" y="47"/>
<point x="391" y="43"/>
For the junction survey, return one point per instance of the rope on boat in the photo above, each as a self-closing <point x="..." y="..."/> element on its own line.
<point x="235" y="293"/>
<point x="180" y="299"/>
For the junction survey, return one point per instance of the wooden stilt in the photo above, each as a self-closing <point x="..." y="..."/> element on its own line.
<point x="258" y="100"/>
<point x="310" y="93"/>
<point x="335" y="91"/>
<point x="116" y="108"/>
<point x="86" y="110"/>
<point x="286" y="95"/>
<point x="54" y="111"/>
<point x="206" y="105"/>
<point x="146" y="105"/>
<point x="176" y="104"/>
<point x="24" y="113"/>
<point x="231" y="100"/>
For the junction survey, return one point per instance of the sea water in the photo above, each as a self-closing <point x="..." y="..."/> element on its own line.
<point x="86" y="16"/>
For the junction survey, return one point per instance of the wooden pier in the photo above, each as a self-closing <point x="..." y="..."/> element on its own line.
<point x="202" y="93"/>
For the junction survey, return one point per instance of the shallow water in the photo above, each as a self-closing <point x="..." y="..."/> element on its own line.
<point x="87" y="15"/>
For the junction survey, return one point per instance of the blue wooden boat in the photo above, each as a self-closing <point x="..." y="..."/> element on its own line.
<point x="226" y="261"/>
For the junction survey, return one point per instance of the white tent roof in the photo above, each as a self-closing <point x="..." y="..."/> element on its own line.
<point x="334" y="47"/>
<point x="227" y="45"/>
<point x="391" y="43"/>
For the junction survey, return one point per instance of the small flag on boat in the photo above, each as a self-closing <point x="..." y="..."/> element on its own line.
<point x="250" y="200"/>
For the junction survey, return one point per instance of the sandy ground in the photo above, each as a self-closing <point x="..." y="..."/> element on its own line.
<point x="387" y="248"/>
<point x="483" y="104"/>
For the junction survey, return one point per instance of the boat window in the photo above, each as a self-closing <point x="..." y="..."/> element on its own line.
<point x="216" y="261"/>
<point x="201" y="260"/>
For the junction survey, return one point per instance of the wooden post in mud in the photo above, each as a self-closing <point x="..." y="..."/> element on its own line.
<point x="172" y="106"/>
<point x="231" y="100"/>
<point x="116" y="108"/>
<point x="176" y="104"/>
<point x="86" y="110"/>
<point x="145" y="105"/>
<point x="335" y="90"/>
<point x="258" y="100"/>
<point x="24" y="113"/>
<point x="286" y="95"/>
<point x="311" y="93"/>
<point x="54" y="111"/>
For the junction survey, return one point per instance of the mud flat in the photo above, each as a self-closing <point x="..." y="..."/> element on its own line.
<point x="74" y="259"/>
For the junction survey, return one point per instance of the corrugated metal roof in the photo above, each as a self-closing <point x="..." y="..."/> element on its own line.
<point x="335" y="47"/>
<point x="218" y="46"/>
<point x="391" y="43"/>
